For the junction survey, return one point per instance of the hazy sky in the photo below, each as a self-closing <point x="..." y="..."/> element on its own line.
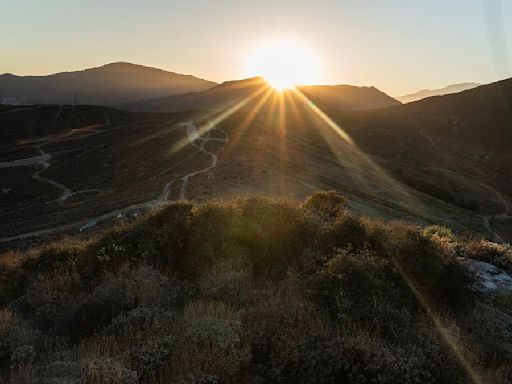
<point x="398" y="46"/>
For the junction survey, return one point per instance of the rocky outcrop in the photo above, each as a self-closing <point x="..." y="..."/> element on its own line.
<point x="487" y="278"/>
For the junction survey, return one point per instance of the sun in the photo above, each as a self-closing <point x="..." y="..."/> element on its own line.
<point x="284" y="64"/>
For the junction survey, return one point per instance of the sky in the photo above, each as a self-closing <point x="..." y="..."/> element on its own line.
<point x="398" y="46"/>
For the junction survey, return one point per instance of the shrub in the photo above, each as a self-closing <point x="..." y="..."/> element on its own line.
<point x="349" y="229"/>
<point x="159" y="239"/>
<point x="328" y="205"/>
<point x="229" y="281"/>
<point x="499" y="255"/>
<point x="361" y="290"/>
<point x="440" y="231"/>
<point x="211" y="238"/>
<point x="54" y="299"/>
<point x="366" y="359"/>
<point x="149" y="288"/>
<point x="147" y="337"/>
<point x="23" y="355"/>
<point x="274" y="232"/>
<point x="290" y="341"/>
<point x="106" y="371"/>
<point x="108" y="299"/>
<point x="196" y="379"/>
<point x="253" y="290"/>
<point x="211" y="344"/>
<point x="488" y="332"/>
<point x="64" y="255"/>
<point x="416" y="258"/>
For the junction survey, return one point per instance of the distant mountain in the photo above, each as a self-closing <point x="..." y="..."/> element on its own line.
<point x="347" y="97"/>
<point x="454" y="88"/>
<point x="216" y="97"/>
<point x="111" y="84"/>
<point x="335" y="97"/>
<point x="480" y="117"/>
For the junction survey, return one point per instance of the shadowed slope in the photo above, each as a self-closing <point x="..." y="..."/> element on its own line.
<point x="111" y="84"/>
<point x="339" y="97"/>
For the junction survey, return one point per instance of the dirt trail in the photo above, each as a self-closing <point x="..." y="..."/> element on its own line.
<point x="429" y="139"/>
<point x="161" y="200"/>
<point x="43" y="160"/>
<point x="194" y="137"/>
<point x="66" y="192"/>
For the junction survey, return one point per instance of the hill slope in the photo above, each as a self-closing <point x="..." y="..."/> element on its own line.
<point x="453" y="88"/>
<point x="111" y="84"/>
<point x="456" y="147"/>
<point x="338" y="97"/>
<point x="443" y="160"/>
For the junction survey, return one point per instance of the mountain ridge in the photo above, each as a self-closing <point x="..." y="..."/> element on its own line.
<point x="449" y="89"/>
<point x="110" y="84"/>
<point x="337" y="97"/>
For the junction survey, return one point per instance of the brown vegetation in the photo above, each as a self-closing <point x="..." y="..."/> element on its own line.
<point x="254" y="290"/>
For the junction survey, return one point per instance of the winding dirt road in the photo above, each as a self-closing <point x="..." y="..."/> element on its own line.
<point x="161" y="200"/>
<point x="194" y="137"/>
<point x="43" y="161"/>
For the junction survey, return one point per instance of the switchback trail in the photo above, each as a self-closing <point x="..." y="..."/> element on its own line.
<point x="194" y="137"/>
<point x="161" y="200"/>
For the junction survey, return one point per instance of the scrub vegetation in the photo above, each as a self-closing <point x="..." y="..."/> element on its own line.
<point x="254" y="290"/>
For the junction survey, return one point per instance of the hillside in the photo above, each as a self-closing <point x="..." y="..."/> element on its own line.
<point x="218" y="97"/>
<point x="424" y="93"/>
<point x="455" y="147"/>
<point x="338" y="97"/>
<point x="347" y="97"/>
<point x="111" y="84"/>
<point x="30" y="122"/>
<point x="201" y="247"/>
<point x="443" y="160"/>
<point x="258" y="290"/>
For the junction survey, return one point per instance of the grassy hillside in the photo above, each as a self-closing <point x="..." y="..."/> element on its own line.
<point x="254" y="291"/>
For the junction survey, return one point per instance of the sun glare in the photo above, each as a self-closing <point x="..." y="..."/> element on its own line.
<point x="284" y="64"/>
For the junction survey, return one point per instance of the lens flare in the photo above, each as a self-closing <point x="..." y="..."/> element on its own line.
<point x="284" y="64"/>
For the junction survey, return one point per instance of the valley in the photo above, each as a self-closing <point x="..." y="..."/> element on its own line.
<point x="72" y="170"/>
